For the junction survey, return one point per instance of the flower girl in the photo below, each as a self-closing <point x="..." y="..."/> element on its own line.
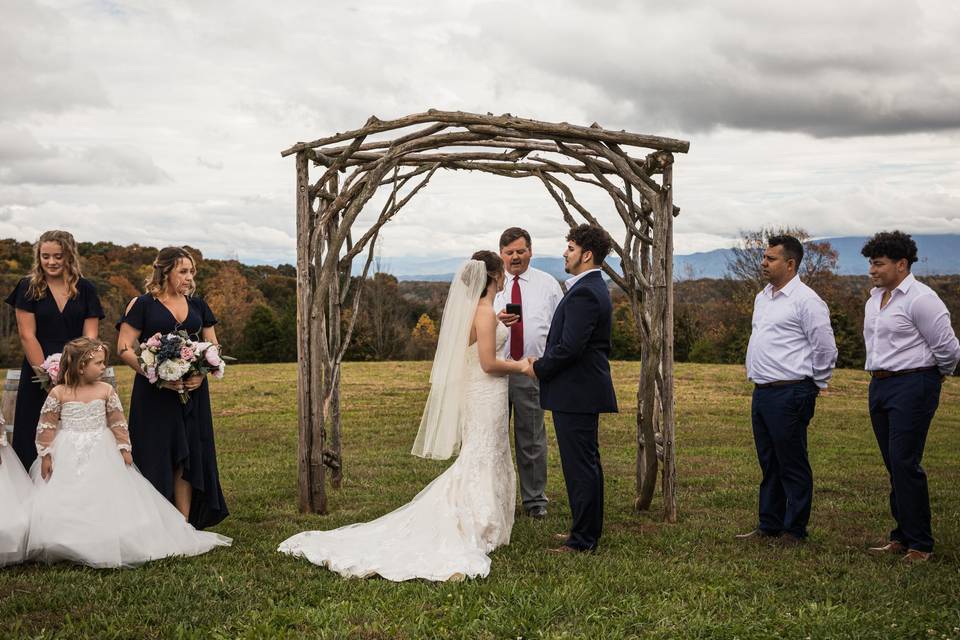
<point x="15" y="492"/>
<point x="90" y="504"/>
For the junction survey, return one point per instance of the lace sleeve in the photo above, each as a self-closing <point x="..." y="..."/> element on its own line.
<point x="48" y="425"/>
<point x="117" y="423"/>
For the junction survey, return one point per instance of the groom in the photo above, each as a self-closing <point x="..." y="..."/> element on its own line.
<point x="575" y="383"/>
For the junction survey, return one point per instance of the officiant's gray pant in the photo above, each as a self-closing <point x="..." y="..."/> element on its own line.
<point x="530" y="438"/>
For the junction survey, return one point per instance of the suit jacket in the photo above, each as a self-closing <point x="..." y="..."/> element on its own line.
<point x="574" y="372"/>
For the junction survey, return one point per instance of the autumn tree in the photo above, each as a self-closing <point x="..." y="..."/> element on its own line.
<point x="817" y="269"/>
<point x="423" y="339"/>
<point x="232" y="300"/>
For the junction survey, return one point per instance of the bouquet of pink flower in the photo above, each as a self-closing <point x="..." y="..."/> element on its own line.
<point x="175" y="356"/>
<point x="48" y="373"/>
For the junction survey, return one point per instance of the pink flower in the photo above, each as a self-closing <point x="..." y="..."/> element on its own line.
<point x="151" y="374"/>
<point x="52" y="366"/>
<point x="218" y="372"/>
<point x="186" y="353"/>
<point x="154" y="341"/>
<point x="212" y="356"/>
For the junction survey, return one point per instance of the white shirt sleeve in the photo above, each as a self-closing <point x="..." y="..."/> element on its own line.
<point x="815" y="322"/>
<point x="932" y="320"/>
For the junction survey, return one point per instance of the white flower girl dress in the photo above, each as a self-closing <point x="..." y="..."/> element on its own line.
<point x="94" y="509"/>
<point x="15" y="490"/>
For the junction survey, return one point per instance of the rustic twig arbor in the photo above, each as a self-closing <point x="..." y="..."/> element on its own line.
<point x="555" y="154"/>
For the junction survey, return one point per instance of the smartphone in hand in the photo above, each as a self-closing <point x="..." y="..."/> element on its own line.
<point x="514" y="309"/>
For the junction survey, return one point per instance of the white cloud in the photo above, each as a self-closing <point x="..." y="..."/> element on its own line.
<point x="162" y="123"/>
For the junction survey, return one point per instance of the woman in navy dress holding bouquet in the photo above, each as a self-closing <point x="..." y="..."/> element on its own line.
<point x="54" y="304"/>
<point x="171" y="425"/>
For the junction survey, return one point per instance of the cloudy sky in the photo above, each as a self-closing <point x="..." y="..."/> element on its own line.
<point x="162" y="122"/>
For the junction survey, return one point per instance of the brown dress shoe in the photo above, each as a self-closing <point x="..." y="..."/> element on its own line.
<point x="789" y="540"/>
<point x="563" y="549"/>
<point x="914" y="556"/>
<point x="891" y="547"/>
<point x="756" y="535"/>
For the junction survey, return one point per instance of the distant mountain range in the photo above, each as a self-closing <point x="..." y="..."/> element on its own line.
<point x="939" y="254"/>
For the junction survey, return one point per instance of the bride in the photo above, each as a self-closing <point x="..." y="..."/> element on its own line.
<point x="447" y="530"/>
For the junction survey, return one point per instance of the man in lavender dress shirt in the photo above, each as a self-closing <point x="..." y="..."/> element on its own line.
<point x="911" y="347"/>
<point x="790" y="357"/>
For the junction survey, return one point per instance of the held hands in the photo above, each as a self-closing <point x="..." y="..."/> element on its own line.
<point x="508" y="319"/>
<point x="46" y="467"/>
<point x="529" y="369"/>
<point x="127" y="457"/>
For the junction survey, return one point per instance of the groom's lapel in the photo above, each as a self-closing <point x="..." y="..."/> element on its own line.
<point x="563" y="300"/>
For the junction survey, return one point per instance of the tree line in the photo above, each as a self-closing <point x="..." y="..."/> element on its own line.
<point x="256" y="305"/>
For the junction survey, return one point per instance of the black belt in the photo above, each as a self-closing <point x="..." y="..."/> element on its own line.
<point x="880" y="374"/>
<point x="779" y="383"/>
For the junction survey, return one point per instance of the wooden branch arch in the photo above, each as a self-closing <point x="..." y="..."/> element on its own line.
<point x="556" y="154"/>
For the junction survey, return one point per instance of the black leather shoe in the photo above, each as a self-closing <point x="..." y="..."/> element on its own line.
<point x="537" y="513"/>
<point x="756" y="534"/>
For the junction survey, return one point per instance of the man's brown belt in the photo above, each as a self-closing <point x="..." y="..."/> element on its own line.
<point x="778" y="383"/>
<point x="880" y="374"/>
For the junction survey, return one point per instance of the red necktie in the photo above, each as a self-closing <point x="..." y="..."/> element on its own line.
<point x="516" y="331"/>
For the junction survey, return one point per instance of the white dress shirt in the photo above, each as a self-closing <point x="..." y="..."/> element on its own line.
<point x="572" y="280"/>
<point x="912" y="332"/>
<point x="540" y="294"/>
<point x="792" y="338"/>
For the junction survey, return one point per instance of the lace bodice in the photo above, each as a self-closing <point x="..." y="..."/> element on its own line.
<point x="82" y="418"/>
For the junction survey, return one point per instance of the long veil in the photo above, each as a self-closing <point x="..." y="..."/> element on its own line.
<point x="439" y="435"/>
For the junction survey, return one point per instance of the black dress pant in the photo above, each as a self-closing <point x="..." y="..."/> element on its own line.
<point x="901" y="409"/>
<point x="780" y="416"/>
<point x="583" y="475"/>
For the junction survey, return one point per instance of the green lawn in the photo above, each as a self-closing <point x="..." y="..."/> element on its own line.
<point x="649" y="580"/>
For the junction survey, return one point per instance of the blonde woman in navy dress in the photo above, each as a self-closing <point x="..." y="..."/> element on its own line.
<point x="54" y="304"/>
<point x="173" y="442"/>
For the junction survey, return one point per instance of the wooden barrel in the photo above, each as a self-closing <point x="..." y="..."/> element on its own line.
<point x="9" y="402"/>
<point x="12" y="383"/>
<point x="110" y="377"/>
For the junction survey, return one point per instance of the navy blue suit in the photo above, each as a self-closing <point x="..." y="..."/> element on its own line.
<point x="575" y="384"/>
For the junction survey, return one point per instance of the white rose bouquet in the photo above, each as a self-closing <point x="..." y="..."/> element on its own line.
<point x="175" y="356"/>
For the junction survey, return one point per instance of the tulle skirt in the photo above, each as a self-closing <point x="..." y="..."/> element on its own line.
<point x="96" y="510"/>
<point x="15" y="492"/>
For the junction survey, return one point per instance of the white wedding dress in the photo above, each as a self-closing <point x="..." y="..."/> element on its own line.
<point x="447" y="530"/>
<point x="15" y="491"/>
<point x="94" y="509"/>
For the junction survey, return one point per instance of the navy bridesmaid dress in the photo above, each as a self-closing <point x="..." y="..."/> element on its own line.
<point x="167" y="434"/>
<point x="55" y="328"/>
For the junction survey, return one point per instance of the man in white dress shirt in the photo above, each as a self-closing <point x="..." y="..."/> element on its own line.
<point x="911" y="346"/>
<point x="538" y="294"/>
<point x="790" y="357"/>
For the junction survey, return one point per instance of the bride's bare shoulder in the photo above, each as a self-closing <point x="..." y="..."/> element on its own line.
<point x="484" y="314"/>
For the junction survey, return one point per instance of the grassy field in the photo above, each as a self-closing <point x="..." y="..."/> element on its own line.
<point x="686" y="580"/>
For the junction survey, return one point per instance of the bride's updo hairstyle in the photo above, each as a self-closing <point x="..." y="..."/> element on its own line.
<point x="166" y="261"/>
<point x="494" y="266"/>
<point x="77" y="353"/>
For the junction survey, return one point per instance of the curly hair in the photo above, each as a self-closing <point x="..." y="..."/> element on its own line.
<point x="166" y="262"/>
<point x="76" y="354"/>
<point x="37" y="288"/>
<point x="494" y="266"/>
<point x="593" y="239"/>
<point x="895" y="245"/>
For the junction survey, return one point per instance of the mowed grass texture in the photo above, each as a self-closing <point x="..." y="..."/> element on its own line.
<point x="650" y="579"/>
